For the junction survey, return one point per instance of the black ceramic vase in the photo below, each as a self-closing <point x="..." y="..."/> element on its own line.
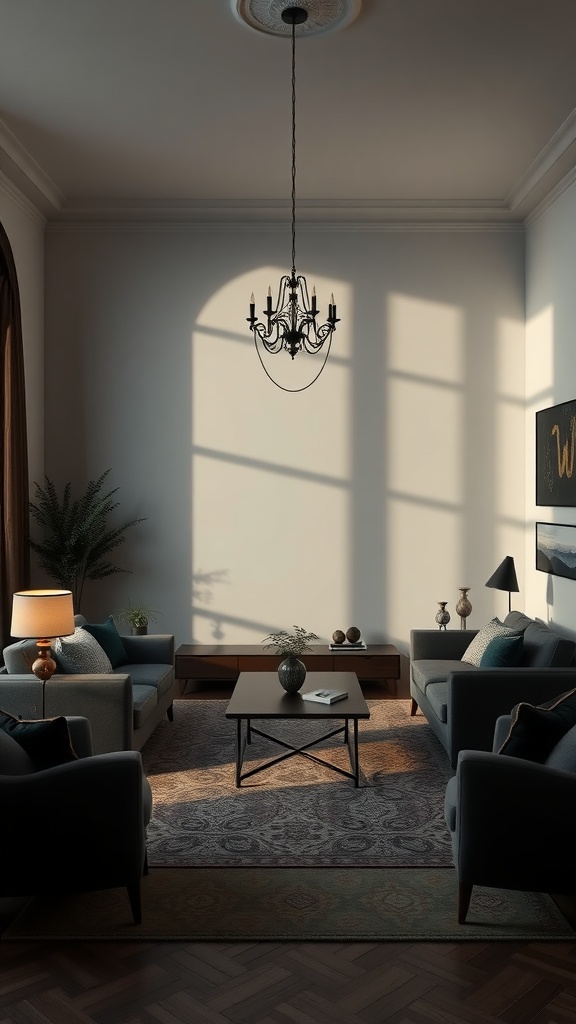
<point x="292" y="673"/>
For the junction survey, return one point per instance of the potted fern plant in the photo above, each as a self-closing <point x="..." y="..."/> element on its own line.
<point x="76" y="537"/>
<point x="291" y="671"/>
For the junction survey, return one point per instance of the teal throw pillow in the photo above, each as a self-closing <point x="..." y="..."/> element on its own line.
<point x="45" y="740"/>
<point x="109" y="639"/>
<point x="503" y="652"/>
<point x="536" y="730"/>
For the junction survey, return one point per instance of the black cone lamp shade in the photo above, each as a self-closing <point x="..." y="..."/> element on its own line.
<point x="505" y="579"/>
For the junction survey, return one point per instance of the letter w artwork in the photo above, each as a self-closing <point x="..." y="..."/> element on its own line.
<point x="555" y="447"/>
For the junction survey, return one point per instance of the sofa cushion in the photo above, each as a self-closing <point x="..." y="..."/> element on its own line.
<point x="435" y="670"/>
<point x="536" y="730"/>
<point x="45" y="740"/>
<point x="545" y="649"/>
<point x="20" y="656"/>
<point x="437" y="694"/>
<point x="80" y="653"/>
<point x="109" y="639"/>
<point x="158" y="676"/>
<point x="13" y="758"/>
<point x="503" y="652"/>
<point x="563" y="755"/>
<point x="474" y="652"/>
<point x="144" y="701"/>
<point x="451" y="803"/>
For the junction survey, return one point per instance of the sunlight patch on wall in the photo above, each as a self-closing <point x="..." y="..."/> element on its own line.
<point x="540" y="358"/>
<point x="270" y="478"/>
<point x="422" y="564"/>
<point x="425" y="339"/>
<point x="510" y="421"/>
<point x="425" y="441"/>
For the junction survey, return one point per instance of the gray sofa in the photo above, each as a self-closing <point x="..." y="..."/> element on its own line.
<point x="123" y="707"/>
<point x="462" y="702"/>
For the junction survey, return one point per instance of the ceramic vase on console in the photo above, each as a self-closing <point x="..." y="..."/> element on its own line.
<point x="292" y="673"/>
<point x="442" y="616"/>
<point x="463" y="608"/>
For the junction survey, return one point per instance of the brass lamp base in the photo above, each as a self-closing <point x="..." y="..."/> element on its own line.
<point x="44" y="667"/>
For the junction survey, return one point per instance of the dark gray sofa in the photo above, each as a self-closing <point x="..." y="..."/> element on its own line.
<point x="123" y="706"/>
<point x="462" y="702"/>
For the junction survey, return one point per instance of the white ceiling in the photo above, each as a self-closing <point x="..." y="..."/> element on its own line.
<point x="417" y="109"/>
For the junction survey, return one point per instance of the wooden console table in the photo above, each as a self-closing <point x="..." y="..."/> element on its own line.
<point x="202" y="665"/>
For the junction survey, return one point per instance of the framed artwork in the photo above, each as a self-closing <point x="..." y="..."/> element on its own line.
<point x="555" y="450"/>
<point x="556" y="549"/>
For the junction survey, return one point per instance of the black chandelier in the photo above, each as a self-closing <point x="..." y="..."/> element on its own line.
<point x="291" y="325"/>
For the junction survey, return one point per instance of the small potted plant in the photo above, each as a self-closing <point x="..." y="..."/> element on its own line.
<point x="138" y="616"/>
<point x="291" y="671"/>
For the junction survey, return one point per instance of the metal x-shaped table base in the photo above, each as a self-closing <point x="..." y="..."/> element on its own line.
<point x="350" y="739"/>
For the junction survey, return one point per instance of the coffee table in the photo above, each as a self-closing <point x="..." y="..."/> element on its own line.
<point x="259" y="695"/>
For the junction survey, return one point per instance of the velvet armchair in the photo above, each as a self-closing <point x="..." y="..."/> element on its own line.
<point x="75" y="826"/>
<point x="512" y="819"/>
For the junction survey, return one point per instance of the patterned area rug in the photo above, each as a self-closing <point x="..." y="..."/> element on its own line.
<point x="300" y="904"/>
<point x="298" y="813"/>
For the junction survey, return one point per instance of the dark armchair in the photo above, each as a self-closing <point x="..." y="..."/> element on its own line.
<point x="513" y="821"/>
<point x="77" y="826"/>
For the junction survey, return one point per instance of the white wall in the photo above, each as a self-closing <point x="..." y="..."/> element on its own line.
<point x="550" y="379"/>
<point x="25" y="230"/>
<point x="396" y="479"/>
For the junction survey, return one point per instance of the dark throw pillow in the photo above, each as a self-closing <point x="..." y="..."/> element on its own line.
<point x="503" y="652"/>
<point x="109" y="639"/>
<point x="45" y="740"/>
<point x="536" y="730"/>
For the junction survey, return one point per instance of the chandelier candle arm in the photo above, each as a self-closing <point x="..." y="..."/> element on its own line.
<point x="291" y="325"/>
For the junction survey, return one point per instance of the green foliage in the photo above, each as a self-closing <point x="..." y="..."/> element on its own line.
<point x="76" y="537"/>
<point x="138" y="615"/>
<point x="287" y="644"/>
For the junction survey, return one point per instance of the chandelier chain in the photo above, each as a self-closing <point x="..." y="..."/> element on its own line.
<point x="293" y="149"/>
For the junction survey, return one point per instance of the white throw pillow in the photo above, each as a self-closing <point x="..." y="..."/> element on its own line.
<point x="81" y="653"/>
<point x="475" y="650"/>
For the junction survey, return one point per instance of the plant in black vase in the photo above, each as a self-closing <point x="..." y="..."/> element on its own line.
<point x="291" y="671"/>
<point x="138" y="616"/>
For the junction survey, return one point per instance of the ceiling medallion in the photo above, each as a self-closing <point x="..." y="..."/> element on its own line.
<point x="323" y="15"/>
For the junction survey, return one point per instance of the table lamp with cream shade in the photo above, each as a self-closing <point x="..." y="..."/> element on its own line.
<point x="42" y="615"/>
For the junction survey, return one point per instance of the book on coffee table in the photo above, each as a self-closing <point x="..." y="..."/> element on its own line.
<point x="325" y="696"/>
<point x="339" y="648"/>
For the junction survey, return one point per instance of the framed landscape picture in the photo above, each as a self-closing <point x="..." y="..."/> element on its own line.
<point x="555" y="462"/>
<point x="556" y="549"/>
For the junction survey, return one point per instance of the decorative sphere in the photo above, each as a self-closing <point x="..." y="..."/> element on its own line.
<point x="353" y="634"/>
<point x="338" y="636"/>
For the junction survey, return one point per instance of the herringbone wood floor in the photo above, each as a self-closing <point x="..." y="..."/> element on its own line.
<point x="310" y="983"/>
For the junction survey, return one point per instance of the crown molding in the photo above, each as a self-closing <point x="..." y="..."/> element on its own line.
<point x="250" y="227"/>
<point x="21" y="168"/>
<point x="551" y="197"/>
<point x="545" y="175"/>
<point x="311" y="211"/>
<point x="17" y="197"/>
<point x="554" y="150"/>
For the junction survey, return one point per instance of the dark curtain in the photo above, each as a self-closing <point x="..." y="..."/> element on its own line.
<point x="14" y="516"/>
